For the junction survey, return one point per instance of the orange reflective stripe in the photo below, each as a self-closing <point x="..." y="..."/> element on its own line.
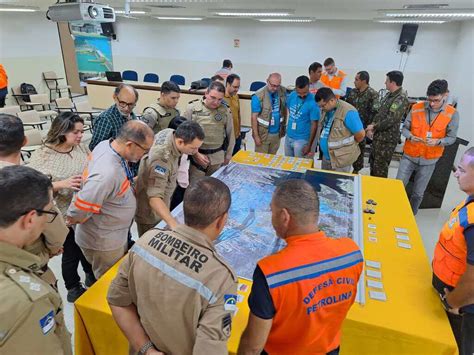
<point x="85" y="208"/>
<point x="124" y="187"/>
<point x="88" y="203"/>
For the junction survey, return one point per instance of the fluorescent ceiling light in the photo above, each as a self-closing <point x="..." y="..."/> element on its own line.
<point x="410" y="21"/>
<point x="256" y="14"/>
<point x="179" y="18"/>
<point x="432" y="14"/>
<point x="131" y="12"/>
<point x="286" y="20"/>
<point x="18" y="9"/>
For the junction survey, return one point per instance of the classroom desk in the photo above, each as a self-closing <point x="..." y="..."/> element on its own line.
<point x="100" y="96"/>
<point x="411" y="321"/>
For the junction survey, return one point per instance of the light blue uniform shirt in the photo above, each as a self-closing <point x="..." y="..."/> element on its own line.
<point x="301" y="113"/>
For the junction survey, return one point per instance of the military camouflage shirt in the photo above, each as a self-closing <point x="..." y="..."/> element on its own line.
<point x="366" y="102"/>
<point x="387" y="120"/>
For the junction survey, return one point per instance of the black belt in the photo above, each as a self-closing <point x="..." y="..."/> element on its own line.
<point x="210" y="151"/>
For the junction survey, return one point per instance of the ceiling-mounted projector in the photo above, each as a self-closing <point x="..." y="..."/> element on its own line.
<point x="80" y="11"/>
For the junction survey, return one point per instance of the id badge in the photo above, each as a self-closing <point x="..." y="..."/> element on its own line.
<point x="429" y="135"/>
<point x="293" y="126"/>
<point x="272" y="121"/>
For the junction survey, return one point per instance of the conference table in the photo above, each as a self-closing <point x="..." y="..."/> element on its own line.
<point x="410" y="320"/>
<point x="100" y="93"/>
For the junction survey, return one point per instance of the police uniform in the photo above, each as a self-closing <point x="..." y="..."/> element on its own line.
<point x="50" y="242"/>
<point x="156" y="178"/>
<point x="184" y="292"/>
<point x="31" y="319"/>
<point x="158" y="117"/>
<point x="367" y="104"/>
<point x="387" y="131"/>
<point x="218" y="127"/>
<point x="307" y="289"/>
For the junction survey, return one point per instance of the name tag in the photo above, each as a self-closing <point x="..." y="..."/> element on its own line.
<point x="293" y="126"/>
<point x="429" y="134"/>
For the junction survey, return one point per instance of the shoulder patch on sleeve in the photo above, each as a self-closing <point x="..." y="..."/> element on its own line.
<point x="47" y="322"/>
<point x="230" y="302"/>
<point x="227" y="324"/>
<point x="160" y="170"/>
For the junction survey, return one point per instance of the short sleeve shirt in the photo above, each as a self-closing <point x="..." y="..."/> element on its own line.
<point x="301" y="113"/>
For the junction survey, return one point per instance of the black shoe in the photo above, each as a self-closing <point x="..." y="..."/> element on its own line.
<point x="74" y="293"/>
<point x="90" y="279"/>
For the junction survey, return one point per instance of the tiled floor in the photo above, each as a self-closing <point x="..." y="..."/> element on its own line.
<point x="429" y="224"/>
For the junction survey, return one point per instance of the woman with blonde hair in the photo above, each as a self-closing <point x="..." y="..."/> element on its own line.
<point x="63" y="157"/>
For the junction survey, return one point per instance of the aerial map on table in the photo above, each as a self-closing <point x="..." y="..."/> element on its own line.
<point x="249" y="235"/>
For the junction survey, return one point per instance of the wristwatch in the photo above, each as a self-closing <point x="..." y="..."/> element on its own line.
<point x="147" y="346"/>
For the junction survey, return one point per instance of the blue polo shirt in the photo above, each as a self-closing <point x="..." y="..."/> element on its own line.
<point x="352" y="122"/>
<point x="302" y="112"/>
<point x="275" y="100"/>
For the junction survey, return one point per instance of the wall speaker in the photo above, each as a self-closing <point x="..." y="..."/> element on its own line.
<point x="408" y="34"/>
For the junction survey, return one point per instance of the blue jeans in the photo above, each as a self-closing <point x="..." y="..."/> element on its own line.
<point x="422" y="178"/>
<point x="294" y="147"/>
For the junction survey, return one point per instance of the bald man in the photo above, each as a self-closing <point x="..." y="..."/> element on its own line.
<point x="110" y="121"/>
<point x="105" y="206"/>
<point x="269" y="115"/>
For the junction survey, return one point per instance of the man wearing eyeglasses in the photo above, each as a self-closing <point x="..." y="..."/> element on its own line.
<point x="216" y="120"/>
<point x="32" y="320"/>
<point x="430" y="126"/>
<point x="105" y="206"/>
<point x="269" y="115"/>
<point x="50" y="243"/>
<point x="109" y="122"/>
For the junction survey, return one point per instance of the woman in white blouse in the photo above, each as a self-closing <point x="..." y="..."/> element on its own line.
<point x="63" y="157"/>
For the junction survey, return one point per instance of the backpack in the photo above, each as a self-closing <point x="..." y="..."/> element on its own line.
<point x="199" y="84"/>
<point x="28" y="90"/>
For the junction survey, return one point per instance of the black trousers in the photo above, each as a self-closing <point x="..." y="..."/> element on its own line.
<point x="463" y="330"/>
<point x="3" y="95"/>
<point x="72" y="255"/>
<point x="177" y="197"/>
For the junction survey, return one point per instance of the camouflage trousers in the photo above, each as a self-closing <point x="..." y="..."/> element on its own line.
<point x="380" y="157"/>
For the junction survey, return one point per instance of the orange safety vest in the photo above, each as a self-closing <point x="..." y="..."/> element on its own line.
<point x="335" y="82"/>
<point x="449" y="261"/>
<point x="313" y="283"/>
<point x="420" y="128"/>
<point x="3" y="77"/>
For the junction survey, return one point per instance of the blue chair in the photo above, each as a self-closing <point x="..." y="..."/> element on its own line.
<point x="177" y="79"/>
<point x="151" y="78"/>
<point x="207" y="80"/>
<point x="257" y="85"/>
<point x="130" y="75"/>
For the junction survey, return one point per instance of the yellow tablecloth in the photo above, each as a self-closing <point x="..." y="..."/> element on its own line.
<point x="411" y="321"/>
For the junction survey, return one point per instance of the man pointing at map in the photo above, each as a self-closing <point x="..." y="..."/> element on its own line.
<point x="301" y="295"/>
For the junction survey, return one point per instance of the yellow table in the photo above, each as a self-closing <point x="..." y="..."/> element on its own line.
<point x="411" y="321"/>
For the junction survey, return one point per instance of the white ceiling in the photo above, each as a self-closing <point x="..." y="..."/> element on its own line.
<point x="318" y="9"/>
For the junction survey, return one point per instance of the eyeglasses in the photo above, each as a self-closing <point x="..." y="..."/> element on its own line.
<point x="145" y="150"/>
<point x="124" y="104"/>
<point x="52" y="214"/>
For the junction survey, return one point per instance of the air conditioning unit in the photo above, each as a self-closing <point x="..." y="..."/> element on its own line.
<point x="80" y="11"/>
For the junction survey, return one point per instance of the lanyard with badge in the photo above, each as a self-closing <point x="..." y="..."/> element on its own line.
<point x="128" y="171"/>
<point x="275" y="107"/>
<point x="429" y="134"/>
<point x="297" y="111"/>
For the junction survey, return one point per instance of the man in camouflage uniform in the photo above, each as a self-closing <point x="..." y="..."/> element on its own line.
<point x="159" y="115"/>
<point x="366" y="101"/>
<point x="158" y="174"/>
<point x="385" y="129"/>
<point x="215" y="118"/>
